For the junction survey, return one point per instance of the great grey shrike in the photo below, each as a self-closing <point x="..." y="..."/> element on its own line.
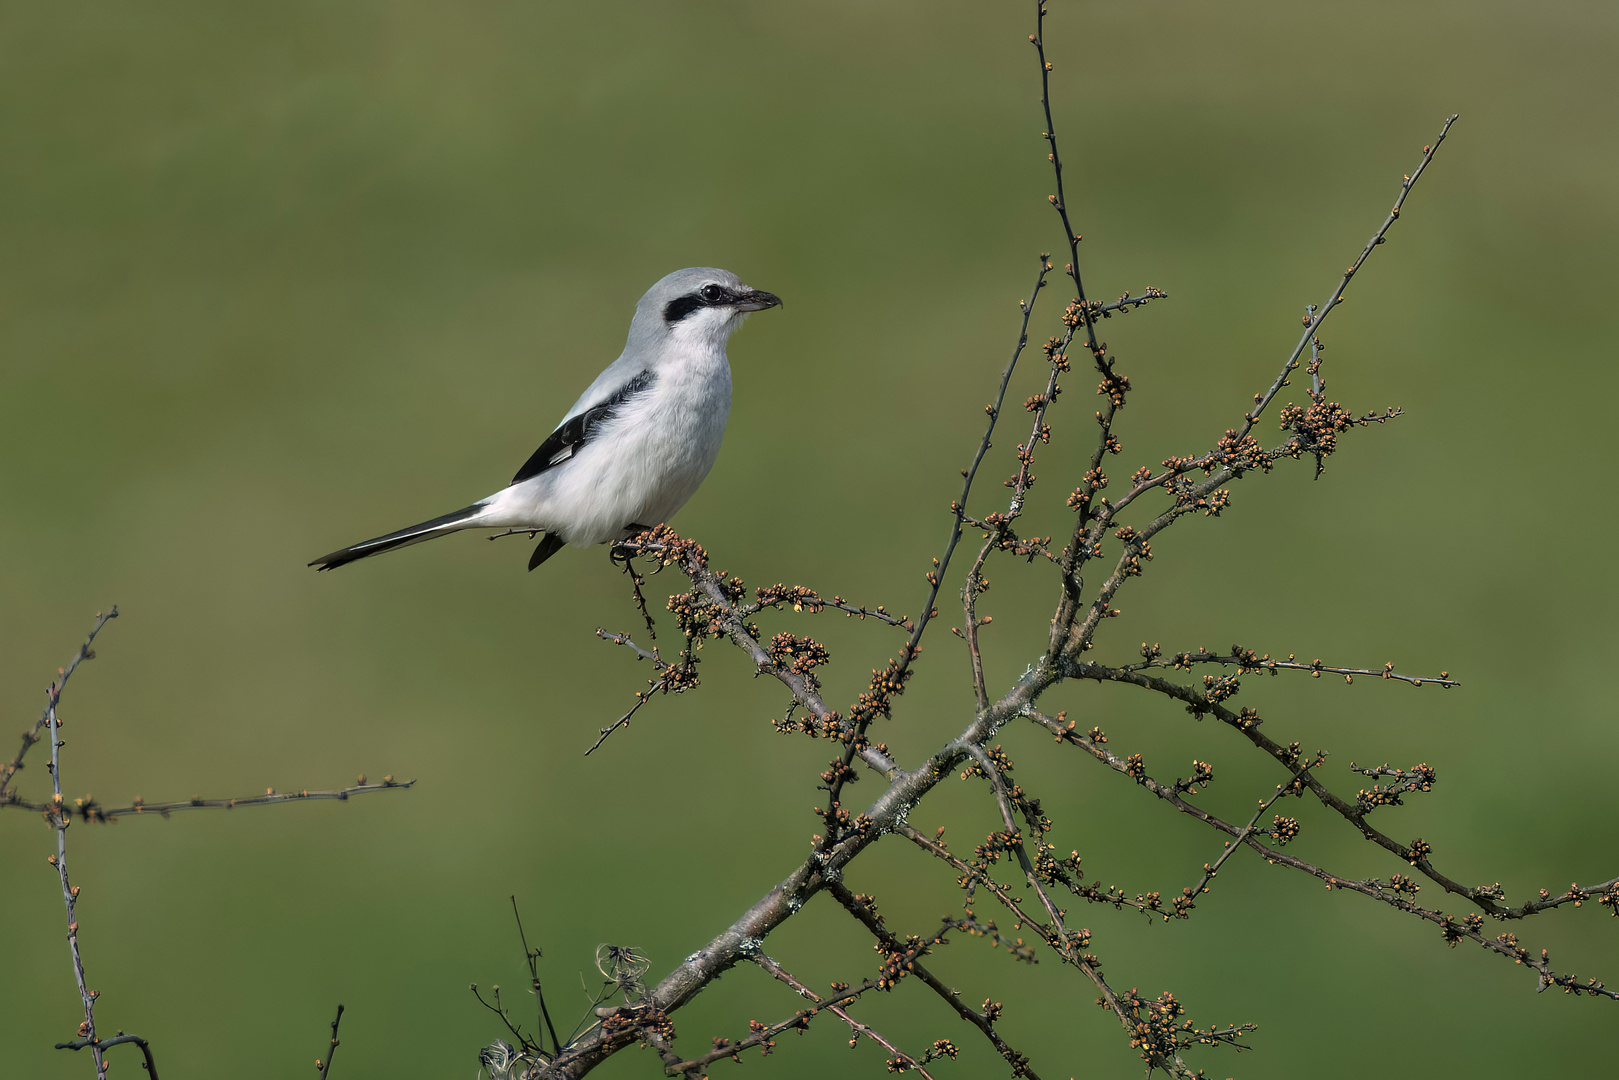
<point x="636" y="444"/>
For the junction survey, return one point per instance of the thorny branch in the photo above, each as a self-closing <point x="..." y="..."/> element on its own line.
<point x="87" y="809"/>
<point x="1315" y="317"/>
<point x="660" y="684"/>
<point x="59" y="815"/>
<point x="98" y="1045"/>
<point x="935" y="577"/>
<point x="864" y="911"/>
<point x="1395" y="892"/>
<point x="1246" y="660"/>
<point x="764" y="1035"/>
<point x="856" y="1027"/>
<point x="716" y="606"/>
<point x="60" y="820"/>
<point x="1247" y="722"/>
<point x="52" y="696"/>
<point x="324" y="1065"/>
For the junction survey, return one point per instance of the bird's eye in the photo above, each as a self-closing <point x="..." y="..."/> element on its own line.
<point x="712" y="293"/>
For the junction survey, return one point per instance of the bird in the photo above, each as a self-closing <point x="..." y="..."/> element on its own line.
<point x="638" y="442"/>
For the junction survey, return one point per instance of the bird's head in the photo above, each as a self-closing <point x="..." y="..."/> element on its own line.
<point x="700" y="303"/>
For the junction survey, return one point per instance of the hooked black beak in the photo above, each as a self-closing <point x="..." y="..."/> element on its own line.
<point x="757" y="300"/>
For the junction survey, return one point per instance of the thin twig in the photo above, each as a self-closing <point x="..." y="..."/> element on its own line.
<point x="959" y="509"/>
<point x="1355" y="814"/>
<point x="1316" y="318"/>
<point x="533" y="957"/>
<point x="872" y="922"/>
<point x="58" y="817"/>
<point x="499" y="1010"/>
<point x="626" y="641"/>
<point x="1074" y="556"/>
<point x="1065" y="942"/>
<point x="800" y="1021"/>
<point x="1018" y="1061"/>
<point x="30" y="737"/>
<point x="331" y="1051"/>
<point x="935" y="577"/>
<point x="801" y="598"/>
<point x="1060" y="199"/>
<point x="1317" y="385"/>
<point x="1211" y="869"/>
<point x="641" y="699"/>
<point x="972" y="584"/>
<point x="636" y="581"/>
<point x="732" y="622"/>
<point x="643" y="696"/>
<point x="856" y="1026"/>
<point x="150" y="1065"/>
<point x="666" y="672"/>
<point x="1248" y="661"/>
<point x="1092" y="523"/>
<point x="90" y="810"/>
<point x="1394" y="893"/>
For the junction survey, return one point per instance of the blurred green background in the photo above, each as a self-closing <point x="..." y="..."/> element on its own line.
<point x="278" y="278"/>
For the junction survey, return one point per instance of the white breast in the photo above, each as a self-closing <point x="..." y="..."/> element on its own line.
<point x="639" y="468"/>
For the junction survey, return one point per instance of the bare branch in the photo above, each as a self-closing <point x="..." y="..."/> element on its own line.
<point x="764" y="1035"/>
<point x="60" y="815"/>
<point x="717" y="607"/>
<point x="911" y="965"/>
<point x="100" y="1046"/>
<point x="325" y="1066"/>
<point x="1416" y="854"/>
<point x="1314" y="318"/>
<point x="52" y="696"/>
<point x="855" y="1026"/>
<point x="90" y="810"/>
<point x="1246" y="660"/>
<point x="60" y="819"/>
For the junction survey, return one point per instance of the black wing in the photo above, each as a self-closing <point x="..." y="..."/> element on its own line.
<point x="572" y="436"/>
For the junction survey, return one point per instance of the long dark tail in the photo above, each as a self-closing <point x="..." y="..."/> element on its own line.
<point x="427" y="530"/>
